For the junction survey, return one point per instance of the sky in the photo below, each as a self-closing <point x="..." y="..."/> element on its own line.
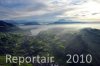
<point x="50" y="10"/>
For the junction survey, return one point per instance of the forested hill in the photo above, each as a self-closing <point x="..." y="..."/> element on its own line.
<point x="71" y="41"/>
<point x="57" y="42"/>
<point x="5" y="27"/>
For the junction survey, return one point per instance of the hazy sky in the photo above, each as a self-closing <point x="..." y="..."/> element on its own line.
<point x="47" y="10"/>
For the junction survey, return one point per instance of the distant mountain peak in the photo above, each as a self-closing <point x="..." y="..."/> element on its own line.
<point x="62" y="20"/>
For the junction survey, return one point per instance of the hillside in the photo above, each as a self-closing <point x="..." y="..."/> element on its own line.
<point x="71" y="41"/>
<point x="4" y="26"/>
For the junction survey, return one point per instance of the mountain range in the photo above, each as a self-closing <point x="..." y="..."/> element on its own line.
<point x="63" y="21"/>
<point x="60" y="21"/>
